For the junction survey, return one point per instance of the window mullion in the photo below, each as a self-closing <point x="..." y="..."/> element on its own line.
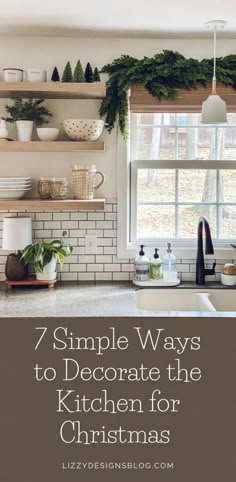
<point x="217" y="184"/>
<point x="176" y="180"/>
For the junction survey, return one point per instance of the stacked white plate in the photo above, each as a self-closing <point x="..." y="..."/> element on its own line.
<point x="14" y="187"/>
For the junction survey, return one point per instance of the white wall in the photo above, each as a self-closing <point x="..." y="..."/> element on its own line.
<point x="48" y="52"/>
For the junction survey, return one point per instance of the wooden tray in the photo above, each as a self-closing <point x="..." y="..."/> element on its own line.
<point x="30" y="282"/>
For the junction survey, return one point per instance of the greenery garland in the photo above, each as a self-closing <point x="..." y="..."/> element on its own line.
<point x="162" y="75"/>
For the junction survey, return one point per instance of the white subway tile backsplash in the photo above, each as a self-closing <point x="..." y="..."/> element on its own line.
<point x="78" y="216"/>
<point x="103" y="259"/>
<point x="120" y="276"/>
<point x="110" y="216"/>
<point x="95" y="216"/>
<point x="69" y="224"/>
<point x="103" y="276"/>
<point x="77" y="267"/>
<point x="109" y="250"/>
<point x="87" y="225"/>
<point x="86" y="276"/>
<point x="69" y="276"/>
<point x="58" y="233"/>
<point x="61" y="216"/>
<point x="43" y="216"/>
<point x="104" y="241"/>
<point x="112" y="267"/>
<point x="42" y="233"/>
<point x="77" y="233"/>
<point x="95" y="267"/>
<point x="110" y="233"/>
<point x="102" y="266"/>
<point x="87" y="258"/>
<point x="104" y="225"/>
<point x="52" y="224"/>
<point x="127" y="267"/>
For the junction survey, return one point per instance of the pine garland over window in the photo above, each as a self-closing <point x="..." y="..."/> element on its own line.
<point x="162" y="75"/>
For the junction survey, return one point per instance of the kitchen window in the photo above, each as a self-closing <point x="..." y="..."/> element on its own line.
<point x="179" y="170"/>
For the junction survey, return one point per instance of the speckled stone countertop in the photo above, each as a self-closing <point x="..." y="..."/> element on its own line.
<point x="71" y="299"/>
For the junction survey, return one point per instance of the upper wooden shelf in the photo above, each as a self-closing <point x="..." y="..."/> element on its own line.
<point x="53" y="90"/>
<point x="51" y="205"/>
<point x="51" y="146"/>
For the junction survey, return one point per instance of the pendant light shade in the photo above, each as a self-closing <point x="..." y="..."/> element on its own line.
<point x="214" y="110"/>
<point x="214" y="107"/>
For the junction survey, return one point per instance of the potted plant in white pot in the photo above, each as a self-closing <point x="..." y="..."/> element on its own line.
<point x="44" y="258"/>
<point x="24" y="113"/>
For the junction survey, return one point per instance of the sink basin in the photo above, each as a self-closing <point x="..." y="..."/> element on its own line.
<point x="200" y="300"/>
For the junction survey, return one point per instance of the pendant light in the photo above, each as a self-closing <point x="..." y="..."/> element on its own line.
<point x="214" y="107"/>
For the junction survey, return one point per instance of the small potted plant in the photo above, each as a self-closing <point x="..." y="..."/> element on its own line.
<point x="45" y="256"/>
<point x="24" y="113"/>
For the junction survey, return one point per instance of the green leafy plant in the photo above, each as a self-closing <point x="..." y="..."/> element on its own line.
<point x="40" y="254"/>
<point x="67" y="73"/>
<point x="96" y="75"/>
<point x="162" y="75"/>
<point x="78" y="75"/>
<point x="30" y="109"/>
<point x="88" y="74"/>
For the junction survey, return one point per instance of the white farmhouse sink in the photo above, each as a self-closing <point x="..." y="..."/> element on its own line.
<point x="157" y="299"/>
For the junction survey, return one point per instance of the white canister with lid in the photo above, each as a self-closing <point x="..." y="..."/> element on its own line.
<point x="11" y="74"/>
<point x="36" y="75"/>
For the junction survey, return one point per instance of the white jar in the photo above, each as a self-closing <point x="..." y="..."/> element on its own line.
<point x="12" y="75"/>
<point x="36" y="75"/>
<point x="24" y="130"/>
<point x="3" y="129"/>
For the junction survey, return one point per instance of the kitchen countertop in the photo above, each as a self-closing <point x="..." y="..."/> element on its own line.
<point x="84" y="299"/>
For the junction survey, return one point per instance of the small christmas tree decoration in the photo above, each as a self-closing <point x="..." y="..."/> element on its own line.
<point x="67" y="73"/>
<point x="88" y="73"/>
<point x="78" y="75"/>
<point x="96" y="75"/>
<point x="55" y="75"/>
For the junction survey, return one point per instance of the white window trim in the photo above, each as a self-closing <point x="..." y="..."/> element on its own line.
<point x="126" y="249"/>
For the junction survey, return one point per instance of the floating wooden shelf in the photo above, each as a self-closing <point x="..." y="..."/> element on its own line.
<point x="51" y="205"/>
<point x="53" y="90"/>
<point x="51" y="146"/>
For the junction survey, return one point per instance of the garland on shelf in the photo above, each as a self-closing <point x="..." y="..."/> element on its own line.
<point x="162" y="75"/>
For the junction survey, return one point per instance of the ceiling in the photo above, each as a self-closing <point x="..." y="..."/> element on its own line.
<point x="148" y="18"/>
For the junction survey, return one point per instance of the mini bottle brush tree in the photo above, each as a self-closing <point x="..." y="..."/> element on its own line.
<point x="96" y="75"/>
<point x="55" y="75"/>
<point x="78" y="75"/>
<point x="67" y="73"/>
<point x="88" y="73"/>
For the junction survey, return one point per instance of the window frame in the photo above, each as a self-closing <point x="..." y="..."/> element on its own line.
<point x="184" y="248"/>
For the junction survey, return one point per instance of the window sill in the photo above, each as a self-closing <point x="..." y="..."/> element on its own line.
<point x="131" y="251"/>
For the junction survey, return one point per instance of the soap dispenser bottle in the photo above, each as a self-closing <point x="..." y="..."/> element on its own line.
<point x="169" y="266"/>
<point x="141" y="266"/>
<point x="156" y="266"/>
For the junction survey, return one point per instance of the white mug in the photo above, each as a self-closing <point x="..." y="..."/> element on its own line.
<point x="36" y="75"/>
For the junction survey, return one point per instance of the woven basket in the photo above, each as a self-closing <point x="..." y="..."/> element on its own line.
<point x="84" y="180"/>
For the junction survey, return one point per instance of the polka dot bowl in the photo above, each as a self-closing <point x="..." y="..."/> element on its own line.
<point x="83" y="129"/>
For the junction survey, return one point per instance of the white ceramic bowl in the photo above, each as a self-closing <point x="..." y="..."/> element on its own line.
<point x="83" y="129"/>
<point x="12" y="193"/>
<point x="228" y="279"/>
<point x="48" y="133"/>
